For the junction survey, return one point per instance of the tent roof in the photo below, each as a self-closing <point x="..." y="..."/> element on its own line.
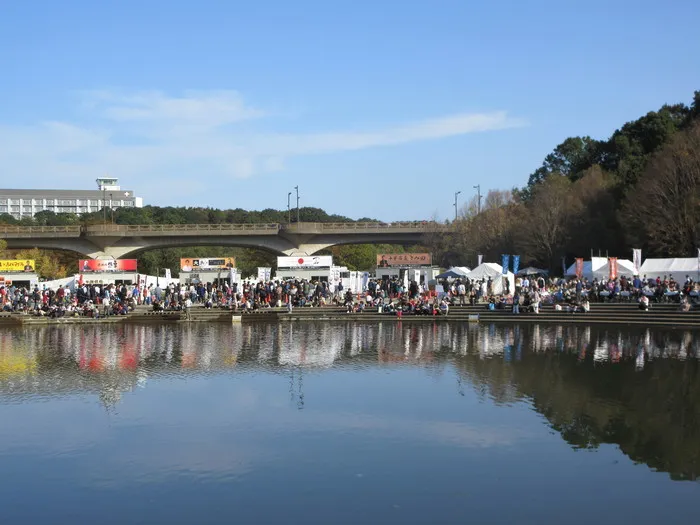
<point x="670" y="265"/>
<point x="454" y="272"/>
<point x="599" y="267"/>
<point x="486" y="270"/>
<point x="449" y="274"/>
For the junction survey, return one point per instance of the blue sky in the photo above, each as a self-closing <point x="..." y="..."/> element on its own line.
<point x="374" y="108"/>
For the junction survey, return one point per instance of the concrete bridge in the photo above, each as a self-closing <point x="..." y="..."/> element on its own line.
<point x="303" y="238"/>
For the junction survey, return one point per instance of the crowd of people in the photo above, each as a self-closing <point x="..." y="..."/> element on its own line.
<point x="385" y="296"/>
<point x="88" y="301"/>
<point x="576" y="294"/>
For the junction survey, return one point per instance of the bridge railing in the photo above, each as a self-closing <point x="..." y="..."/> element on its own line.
<point x="365" y="227"/>
<point x="417" y="226"/>
<point x="33" y="230"/>
<point x="121" y="229"/>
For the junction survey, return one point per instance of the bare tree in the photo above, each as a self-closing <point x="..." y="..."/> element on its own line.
<point x="665" y="206"/>
<point x="545" y="225"/>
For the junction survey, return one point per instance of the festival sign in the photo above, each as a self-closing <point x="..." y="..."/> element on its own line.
<point x="214" y="263"/>
<point x="107" y="265"/>
<point x="386" y="260"/>
<point x="21" y="265"/>
<point x="314" y="261"/>
<point x="579" y="267"/>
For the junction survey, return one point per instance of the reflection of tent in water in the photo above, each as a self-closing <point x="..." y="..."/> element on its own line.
<point x="495" y="272"/>
<point x="599" y="268"/>
<point x="320" y="351"/>
<point x="454" y="273"/>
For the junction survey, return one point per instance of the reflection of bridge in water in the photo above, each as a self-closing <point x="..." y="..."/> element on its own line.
<point x="304" y="238"/>
<point x="638" y="389"/>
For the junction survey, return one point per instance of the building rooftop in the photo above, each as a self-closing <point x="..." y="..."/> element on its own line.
<point x="59" y="193"/>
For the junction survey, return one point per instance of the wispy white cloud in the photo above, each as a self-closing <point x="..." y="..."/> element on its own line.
<point x="155" y="137"/>
<point x="210" y="108"/>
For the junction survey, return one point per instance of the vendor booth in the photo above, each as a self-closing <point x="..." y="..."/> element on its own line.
<point x="311" y="268"/>
<point x="599" y="268"/>
<point x="676" y="267"/>
<point x="211" y="270"/>
<point x="18" y="273"/>
<point x="407" y="267"/>
<point x="495" y="272"/>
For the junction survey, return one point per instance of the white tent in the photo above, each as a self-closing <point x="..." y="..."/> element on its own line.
<point x="677" y="268"/>
<point x="495" y="271"/>
<point x="455" y="272"/>
<point x="599" y="268"/>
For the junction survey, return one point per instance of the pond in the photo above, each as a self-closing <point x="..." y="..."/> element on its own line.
<point x="349" y="423"/>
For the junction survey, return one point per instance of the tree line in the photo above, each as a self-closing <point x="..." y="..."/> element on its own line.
<point x="640" y="188"/>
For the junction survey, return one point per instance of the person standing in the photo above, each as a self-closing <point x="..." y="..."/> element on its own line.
<point x="516" y="303"/>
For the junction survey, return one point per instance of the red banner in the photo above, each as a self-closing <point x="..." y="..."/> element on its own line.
<point x="107" y="265"/>
<point x="612" y="262"/>
<point x="579" y="267"/>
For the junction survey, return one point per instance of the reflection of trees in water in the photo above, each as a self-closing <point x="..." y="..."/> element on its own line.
<point x="635" y="388"/>
<point x="595" y="386"/>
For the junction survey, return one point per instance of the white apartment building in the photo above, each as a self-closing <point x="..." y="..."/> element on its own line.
<point x="27" y="203"/>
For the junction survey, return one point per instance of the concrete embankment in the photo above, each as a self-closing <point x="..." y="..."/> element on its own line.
<point x="605" y="313"/>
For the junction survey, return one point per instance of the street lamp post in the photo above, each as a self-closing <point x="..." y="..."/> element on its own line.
<point x="289" y="208"/>
<point x="297" y="188"/>
<point x="456" y="193"/>
<point x="104" y="205"/>
<point x="478" y="198"/>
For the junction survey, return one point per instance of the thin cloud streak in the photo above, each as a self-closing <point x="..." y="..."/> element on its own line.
<point x="155" y="137"/>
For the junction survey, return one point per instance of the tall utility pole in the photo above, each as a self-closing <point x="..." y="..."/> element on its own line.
<point x="104" y="205"/>
<point x="297" y="188"/>
<point x="289" y="208"/>
<point x="456" y="209"/>
<point x="111" y="209"/>
<point x="478" y="198"/>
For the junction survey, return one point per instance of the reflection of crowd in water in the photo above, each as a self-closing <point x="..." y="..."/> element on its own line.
<point x="159" y="348"/>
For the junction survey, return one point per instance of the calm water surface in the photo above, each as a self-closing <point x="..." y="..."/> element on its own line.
<point x="349" y="423"/>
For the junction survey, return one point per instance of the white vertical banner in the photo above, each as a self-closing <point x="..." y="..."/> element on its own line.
<point x="479" y="258"/>
<point x="168" y="275"/>
<point x="416" y="276"/>
<point x="637" y="259"/>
